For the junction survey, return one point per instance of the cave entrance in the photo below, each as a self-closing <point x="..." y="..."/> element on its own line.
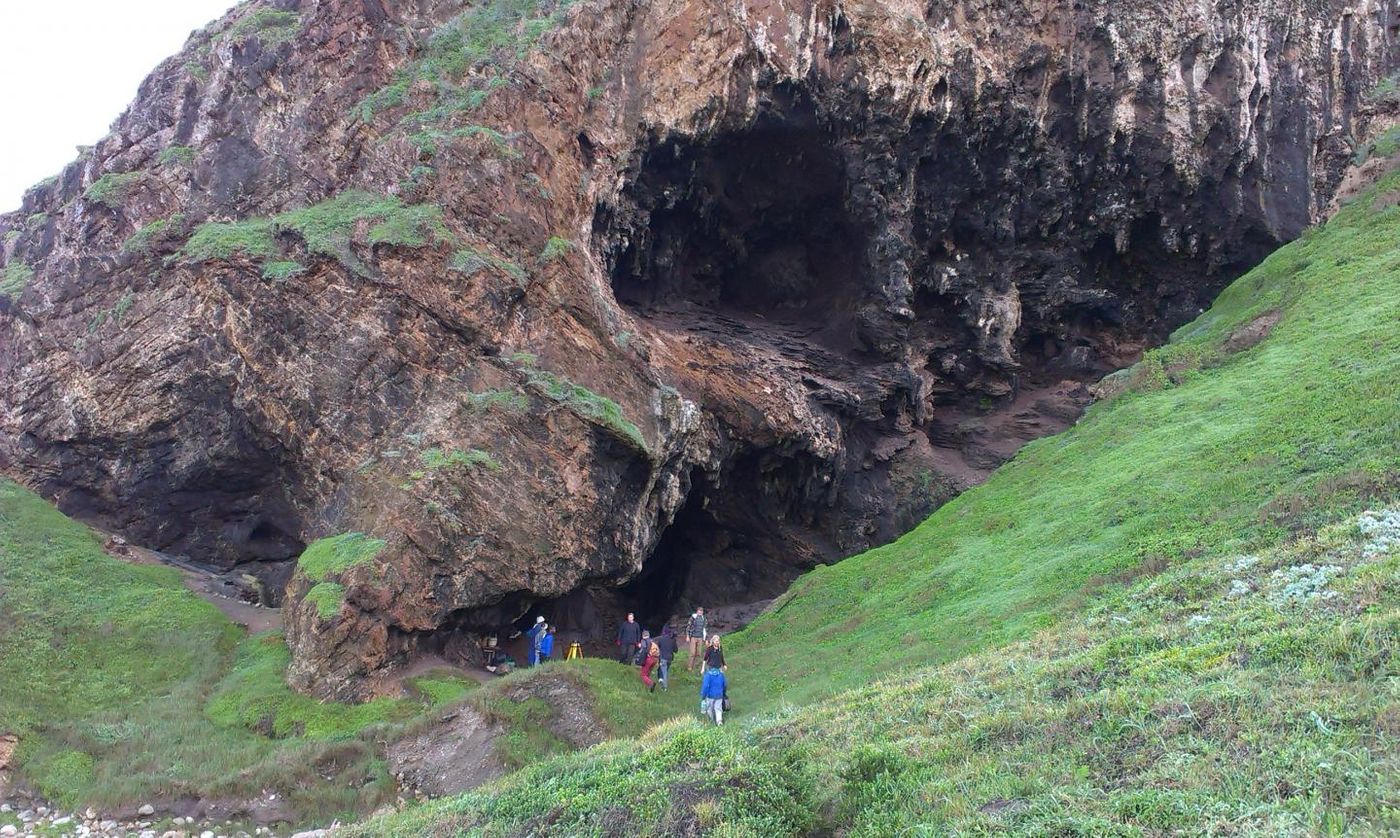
<point x="751" y="225"/>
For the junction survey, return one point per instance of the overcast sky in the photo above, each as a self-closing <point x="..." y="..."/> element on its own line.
<point x="68" y="68"/>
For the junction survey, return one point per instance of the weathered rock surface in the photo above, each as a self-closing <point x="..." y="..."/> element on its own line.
<point x="688" y="297"/>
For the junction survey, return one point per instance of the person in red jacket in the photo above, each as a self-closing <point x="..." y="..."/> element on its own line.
<point x="651" y="655"/>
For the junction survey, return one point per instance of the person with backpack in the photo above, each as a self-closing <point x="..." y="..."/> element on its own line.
<point x="546" y="644"/>
<point x="629" y="635"/>
<point x="667" y="646"/>
<point x="712" y="690"/>
<point x="532" y="641"/>
<point x="695" y="636"/>
<point x="651" y="654"/>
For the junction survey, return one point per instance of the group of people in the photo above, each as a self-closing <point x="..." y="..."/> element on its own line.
<point x="540" y="639"/>
<point x="637" y="646"/>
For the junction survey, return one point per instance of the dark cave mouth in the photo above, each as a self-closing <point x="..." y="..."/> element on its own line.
<point x="751" y="224"/>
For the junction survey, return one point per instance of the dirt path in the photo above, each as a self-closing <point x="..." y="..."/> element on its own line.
<point x="214" y="588"/>
<point x="456" y="754"/>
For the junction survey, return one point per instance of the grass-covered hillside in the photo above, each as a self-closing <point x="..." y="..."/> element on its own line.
<point x="124" y="687"/>
<point x="1178" y="616"/>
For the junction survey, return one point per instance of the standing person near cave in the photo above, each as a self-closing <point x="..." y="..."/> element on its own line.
<point x="651" y="655"/>
<point x="629" y="634"/>
<point x="546" y="644"/>
<point x="532" y="641"/>
<point x="667" y="646"/>
<point x="695" y="636"/>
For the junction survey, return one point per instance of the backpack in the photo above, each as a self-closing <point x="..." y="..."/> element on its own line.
<point x="654" y="651"/>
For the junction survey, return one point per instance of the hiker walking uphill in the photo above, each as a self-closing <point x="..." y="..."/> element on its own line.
<point x="695" y="636"/>
<point x="629" y="635"/>
<point x="651" y="655"/>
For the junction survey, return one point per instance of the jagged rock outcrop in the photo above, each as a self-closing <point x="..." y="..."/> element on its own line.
<point x="682" y="296"/>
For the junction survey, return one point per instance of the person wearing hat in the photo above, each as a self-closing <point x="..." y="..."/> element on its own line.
<point x="532" y="640"/>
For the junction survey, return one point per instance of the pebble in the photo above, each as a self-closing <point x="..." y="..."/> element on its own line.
<point x="146" y="809"/>
<point x="8" y="829"/>
<point x="206" y="834"/>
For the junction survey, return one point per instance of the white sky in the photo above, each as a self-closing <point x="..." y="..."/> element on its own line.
<point x="68" y="68"/>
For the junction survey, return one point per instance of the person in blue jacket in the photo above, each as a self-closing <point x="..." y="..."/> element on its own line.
<point x="547" y="645"/>
<point x="712" y="688"/>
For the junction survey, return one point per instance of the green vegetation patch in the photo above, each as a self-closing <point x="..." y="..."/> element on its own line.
<point x="442" y="686"/>
<point x="434" y="459"/>
<point x="328" y="597"/>
<point x="123" y="686"/>
<point x="112" y="189"/>
<point x="17" y="276"/>
<point x="326" y="558"/>
<point x="556" y="248"/>
<point x="455" y="61"/>
<point x="585" y="403"/>
<point x="282" y="270"/>
<point x="510" y="401"/>
<point x="327" y="229"/>
<point x="471" y="261"/>
<point x="1386" y="144"/>
<point x="143" y="240"/>
<point x="254" y="696"/>
<point x="180" y="155"/>
<point x="271" y="26"/>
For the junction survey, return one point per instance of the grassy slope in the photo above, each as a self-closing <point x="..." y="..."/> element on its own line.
<point x="1219" y="695"/>
<point x="126" y="687"/>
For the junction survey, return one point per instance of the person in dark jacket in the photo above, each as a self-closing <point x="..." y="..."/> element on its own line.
<point x="547" y="645"/>
<point x="629" y="636"/>
<point x="714" y="654"/>
<point x="667" y="645"/>
<point x="712" y="690"/>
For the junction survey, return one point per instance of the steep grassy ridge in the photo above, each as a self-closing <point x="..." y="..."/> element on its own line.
<point x="1246" y="683"/>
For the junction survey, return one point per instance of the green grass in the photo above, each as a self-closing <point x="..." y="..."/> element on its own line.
<point x="329" y="557"/>
<point x="282" y="270"/>
<point x="510" y="401"/>
<point x="442" y="687"/>
<point x="328" y="229"/>
<point x="1169" y="619"/>
<point x="556" y="248"/>
<point x="613" y="694"/>
<point x="453" y="63"/>
<point x="112" y="189"/>
<point x="16" y="279"/>
<point x="143" y="240"/>
<point x="471" y="261"/>
<point x="582" y="401"/>
<point x="271" y="26"/>
<point x="327" y="597"/>
<point x="1383" y="145"/>
<point x="124" y="687"/>
<point x="180" y="155"/>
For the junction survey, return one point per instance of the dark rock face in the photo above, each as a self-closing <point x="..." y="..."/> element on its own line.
<point x="684" y="300"/>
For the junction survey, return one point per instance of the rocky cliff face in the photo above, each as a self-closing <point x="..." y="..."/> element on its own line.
<point x="666" y="299"/>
